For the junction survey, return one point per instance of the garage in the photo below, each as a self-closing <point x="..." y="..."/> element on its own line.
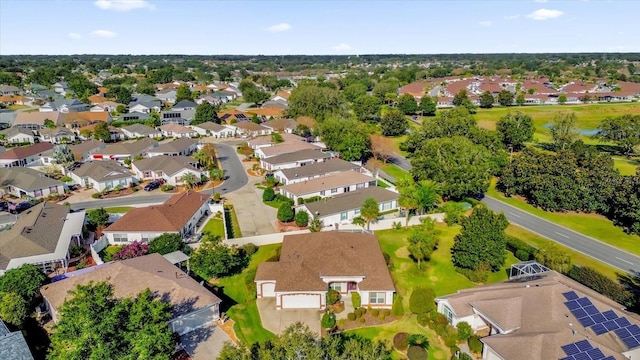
<point x="268" y="289"/>
<point x="301" y="301"/>
<point x="194" y="320"/>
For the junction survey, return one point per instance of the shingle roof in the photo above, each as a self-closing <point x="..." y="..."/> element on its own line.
<point x="176" y="145"/>
<point x="349" y="201"/>
<point x="306" y="257"/>
<point x="167" y="164"/>
<point x="211" y="126"/>
<point x="25" y="178"/>
<point x="341" y="179"/>
<point x="36" y="118"/>
<point x="132" y="276"/>
<point x="173" y="215"/>
<point x="250" y="126"/>
<point x="184" y="104"/>
<point x="103" y="170"/>
<point x="141" y="129"/>
<point x="13" y="346"/>
<point x="176" y="128"/>
<point x="281" y="124"/>
<point x="125" y="148"/>
<point x="26" y="151"/>
<point x="13" y="131"/>
<point x="292" y="152"/>
<point x="326" y="167"/>
<point x="79" y="149"/>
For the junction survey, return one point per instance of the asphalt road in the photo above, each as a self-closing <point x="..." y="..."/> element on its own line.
<point x="401" y="162"/>
<point x="560" y="234"/>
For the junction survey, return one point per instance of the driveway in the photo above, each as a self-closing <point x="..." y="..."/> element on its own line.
<point x="236" y="176"/>
<point x="278" y="320"/>
<point x="204" y="343"/>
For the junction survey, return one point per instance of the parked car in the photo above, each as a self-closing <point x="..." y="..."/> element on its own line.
<point x="152" y="186"/>
<point x="20" y="207"/>
<point x="4" y="206"/>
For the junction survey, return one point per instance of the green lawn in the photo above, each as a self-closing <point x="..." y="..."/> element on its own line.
<point x="596" y="226"/>
<point x="382" y="184"/>
<point x="237" y="233"/>
<point x="625" y="165"/>
<point x="394" y="171"/>
<point x="215" y="227"/>
<point x="248" y="326"/>
<point x="118" y="209"/>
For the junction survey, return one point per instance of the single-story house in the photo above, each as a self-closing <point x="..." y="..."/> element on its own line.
<point x="104" y="106"/>
<point x="250" y="128"/>
<point x="312" y="171"/>
<point x="65" y="106"/>
<point x="184" y="105"/>
<point x="10" y="90"/>
<point x="178" y="215"/>
<point x="77" y="120"/>
<point x="135" y="116"/>
<point x="342" y="208"/>
<point x="101" y="175"/>
<point x="193" y="306"/>
<point x="84" y="150"/>
<point x="26" y="182"/>
<point x="167" y="96"/>
<point x="13" y="345"/>
<point x="294" y="159"/>
<point x="311" y="264"/>
<point x="183" y="117"/>
<point x="36" y="120"/>
<point x="546" y="313"/>
<point x="134" y="131"/>
<point x="212" y="129"/>
<point x="183" y="146"/>
<point x="24" y="155"/>
<point x="266" y="141"/>
<point x="282" y="125"/>
<point x="18" y="135"/>
<point x="41" y="236"/>
<point x="125" y="150"/>
<point x="287" y="147"/>
<point x="145" y="107"/>
<point x="329" y="185"/>
<point x="177" y="131"/>
<point x="57" y="135"/>
<point x="169" y="168"/>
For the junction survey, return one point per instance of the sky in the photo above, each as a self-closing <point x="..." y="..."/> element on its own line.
<point x="317" y="27"/>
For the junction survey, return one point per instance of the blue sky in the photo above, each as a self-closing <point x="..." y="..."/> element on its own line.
<point x="316" y="27"/>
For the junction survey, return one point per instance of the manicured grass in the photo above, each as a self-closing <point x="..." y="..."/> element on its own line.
<point x="596" y="226"/>
<point x="394" y="171"/>
<point x="215" y="227"/>
<point x="577" y="258"/>
<point x="248" y="326"/>
<point x="16" y="107"/>
<point x="382" y="184"/>
<point x="118" y="209"/>
<point x="625" y="165"/>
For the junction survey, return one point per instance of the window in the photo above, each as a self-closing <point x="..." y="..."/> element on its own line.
<point x="336" y="286"/>
<point x="448" y="314"/>
<point x="343" y="216"/>
<point x="120" y="238"/>
<point x="356" y="212"/>
<point x="360" y="186"/>
<point x="376" y="298"/>
<point x="145" y="238"/>
<point x="322" y="193"/>
<point x="334" y="190"/>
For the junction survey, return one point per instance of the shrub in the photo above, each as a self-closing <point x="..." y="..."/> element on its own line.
<point x="135" y="249"/>
<point x="397" y="309"/>
<point x="109" y="252"/>
<point x="464" y="330"/>
<point x="355" y="299"/>
<point x="453" y="213"/>
<point x="422" y="300"/>
<point x="522" y="255"/>
<point x="475" y="345"/>
<point x="96" y="195"/>
<point x="285" y="212"/>
<point x="417" y="353"/>
<point x="514" y="244"/>
<point x="465" y="356"/>
<point x="401" y="341"/>
<point x="358" y="313"/>
<point x="602" y="284"/>
<point x="332" y="297"/>
<point x="480" y="275"/>
<point x="450" y="337"/>
<point x="351" y="316"/>
<point x="440" y="329"/>
<point x="418" y="340"/>
<point x="382" y="316"/>
<point x="375" y="312"/>
<point x="396" y="225"/>
<point x="166" y="187"/>
<point x="302" y="219"/>
<point x="328" y="320"/>
<point x="423" y="319"/>
<point x="249" y="249"/>
<point x="386" y="312"/>
<point x="268" y="194"/>
<point x="440" y="319"/>
<point x="363" y="320"/>
<point x="76" y="250"/>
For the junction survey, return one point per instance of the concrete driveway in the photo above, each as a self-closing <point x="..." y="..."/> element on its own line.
<point x="278" y="320"/>
<point x="204" y="343"/>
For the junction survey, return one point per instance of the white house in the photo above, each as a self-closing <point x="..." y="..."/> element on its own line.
<point x="311" y="264"/>
<point x="312" y="171"/>
<point x="329" y="185"/>
<point x="58" y="135"/>
<point x="170" y="168"/>
<point x="24" y="182"/>
<point x="212" y="129"/>
<point x="125" y="150"/>
<point x="287" y="147"/>
<point x="293" y="159"/>
<point x="251" y="129"/>
<point x="17" y="135"/>
<point x="101" y="175"/>
<point x="177" y="131"/>
<point x="178" y="147"/>
<point x="24" y="155"/>
<point x="134" y="131"/>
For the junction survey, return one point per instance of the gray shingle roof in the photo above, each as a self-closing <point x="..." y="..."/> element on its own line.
<point x="13" y="346"/>
<point x="184" y="104"/>
<point x="175" y="146"/>
<point x="141" y="129"/>
<point x="211" y="126"/>
<point x="26" y="179"/>
<point x="321" y="168"/>
<point x="102" y="170"/>
<point x="167" y="164"/>
<point x="127" y="148"/>
<point x="349" y="201"/>
<point x="306" y="154"/>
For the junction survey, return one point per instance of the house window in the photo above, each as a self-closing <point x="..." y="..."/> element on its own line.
<point x="343" y="216"/>
<point x="376" y="298"/>
<point x="336" y="286"/>
<point x="120" y="238"/>
<point x="448" y="314"/>
<point x="334" y="190"/>
<point x="360" y="186"/>
<point x="145" y="238"/>
<point x="322" y="193"/>
<point x="356" y="212"/>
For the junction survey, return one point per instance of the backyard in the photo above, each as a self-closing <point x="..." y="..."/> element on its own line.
<point x="215" y="227"/>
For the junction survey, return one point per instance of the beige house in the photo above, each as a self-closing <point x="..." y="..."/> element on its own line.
<point x="330" y="185"/>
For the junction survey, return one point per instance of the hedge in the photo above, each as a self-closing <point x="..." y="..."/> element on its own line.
<point x="602" y="284"/>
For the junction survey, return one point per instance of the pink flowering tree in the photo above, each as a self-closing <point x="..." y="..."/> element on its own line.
<point x="132" y="250"/>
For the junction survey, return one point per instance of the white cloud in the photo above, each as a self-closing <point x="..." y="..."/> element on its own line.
<point x="342" y="47"/>
<point x="123" y="5"/>
<point x="545" y="14"/>
<point x="486" y="23"/>
<point x="540" y="1"/>
<point x="106" y="34"/>
<point x="512" y="17"/>
<point x="73" y="35"/>
<point x="279" y="27"/>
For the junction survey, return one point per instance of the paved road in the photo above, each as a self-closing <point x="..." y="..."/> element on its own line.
<point x="560" y="234"/>
<point x="401" y="162"/>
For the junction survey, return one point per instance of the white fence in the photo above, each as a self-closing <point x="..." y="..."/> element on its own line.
<point x="98" y="246"/>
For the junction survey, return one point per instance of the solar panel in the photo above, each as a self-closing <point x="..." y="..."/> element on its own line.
<point x="584" y="302"/>
<point x="634" y="330"/>
<point x="570" y="349"/>
<point x="581" y="356"/>
<point x="586" y="321"/>
<point x="579" y="313"/>
<point x="595" y="354"/>
<point x="609" y="358"/>
<point x="583" y="345"/>
<point x="567" y="358"/>
<point x="572" y="305"/>
<point x="598" y="318"/>
<point x="623" y="333"/>
<point x="599" y="329"/>
<point x="570" y="295"/>
<point x="610" y="315"/>
<point x="631" y="342"/>
<point x="591" y="310"/>
<point x="623" y="322"/>
<point x="610" y="325"/>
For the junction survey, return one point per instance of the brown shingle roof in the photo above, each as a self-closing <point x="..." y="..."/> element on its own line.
<point x="126" y="148"/>
<point x="288" y="148"/>
<point x="306" y="257"/>
<point x="173" y="215"/>
<point x="103" y="170"/>
<point x="130" y="277"/>
<point x="350" y="200"/>
<point x="37" y="118"/>
<point x="26" y="151"/>
<point x="341" y="179"/>
<point x="167" y="164"/>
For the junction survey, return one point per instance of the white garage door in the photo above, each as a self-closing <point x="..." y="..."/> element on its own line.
<point x="268" y="289"/>
<point x="194" y="320"/>
<point x="302" y="301"/>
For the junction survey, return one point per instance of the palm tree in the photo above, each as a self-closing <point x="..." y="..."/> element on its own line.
<point x="190" y="180"/>
<point x="408" y="199"/>
<point x="427" y="195"/>
<point x="359" y="221"/>
<point x="370" y="211"/>
<point x="216" y="174"/>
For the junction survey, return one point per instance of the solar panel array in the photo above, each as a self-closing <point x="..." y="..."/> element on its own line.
<point x="583" y="350"/>
<point x="602" y="322"/>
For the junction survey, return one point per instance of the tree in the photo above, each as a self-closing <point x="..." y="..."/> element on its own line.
<point x="625" y="203"/>
<point x="426" y="194"/>
<point x="359" y="221"/>
<point x="285" y="212"/>
<point x="255" y="95"/>
<point x="183" y="93"/>
<point x="553" y="257"/>
<point x="315" y="225"/>
<point x="13" y="308"/>
<point x="563" y="129"/>
<point x="268" y="194"/>
<point x="348" y="137"/>
<point x="166" y="243"/>
<point x="153" y="120"/>
<point x="206" y="156"/>
<point x="190" y="180"/>
<point x="205" y="112"/>
<point x="382" y="148"/>
<point x="314" y="101"/>
<point x="121" y="93"/>
<point x="407" y="104"/>
<point x="505" y="98"/>
<point x="133" y="250"/>
<point x="213" y="259"/>
<point x="520" y="100"/>
<point x="428" y="106"/>
<point x="93" y="324"/>
<point x="98" y="217"/>
<point x="623" y="130"/>
<point x="62" y="154"/>
<point x="562" y="99"/>
<point x="302" y="218"/>
<point x="422" y="300"/>
<point x="354" y="91"/>
<point x="369" y="210"/>
<point x="422" y="243"/>
<point x="407" y="199"/>
<point x="460" y="97"/>
<point x="25" y="281"/>
<point x="515" y="129"/>
<point x="366" y="107"/>
<point x="393" y="123"/>
<point x="486" y="100"/>
<point x="101" y="132"/>
<point x="380" y="90"/>
<point x="481" y="242"/>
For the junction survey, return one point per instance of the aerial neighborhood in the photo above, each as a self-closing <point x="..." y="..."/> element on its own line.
<point x="320" y="207"/>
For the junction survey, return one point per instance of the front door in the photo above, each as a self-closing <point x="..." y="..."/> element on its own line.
<point x="352" y="286"/>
